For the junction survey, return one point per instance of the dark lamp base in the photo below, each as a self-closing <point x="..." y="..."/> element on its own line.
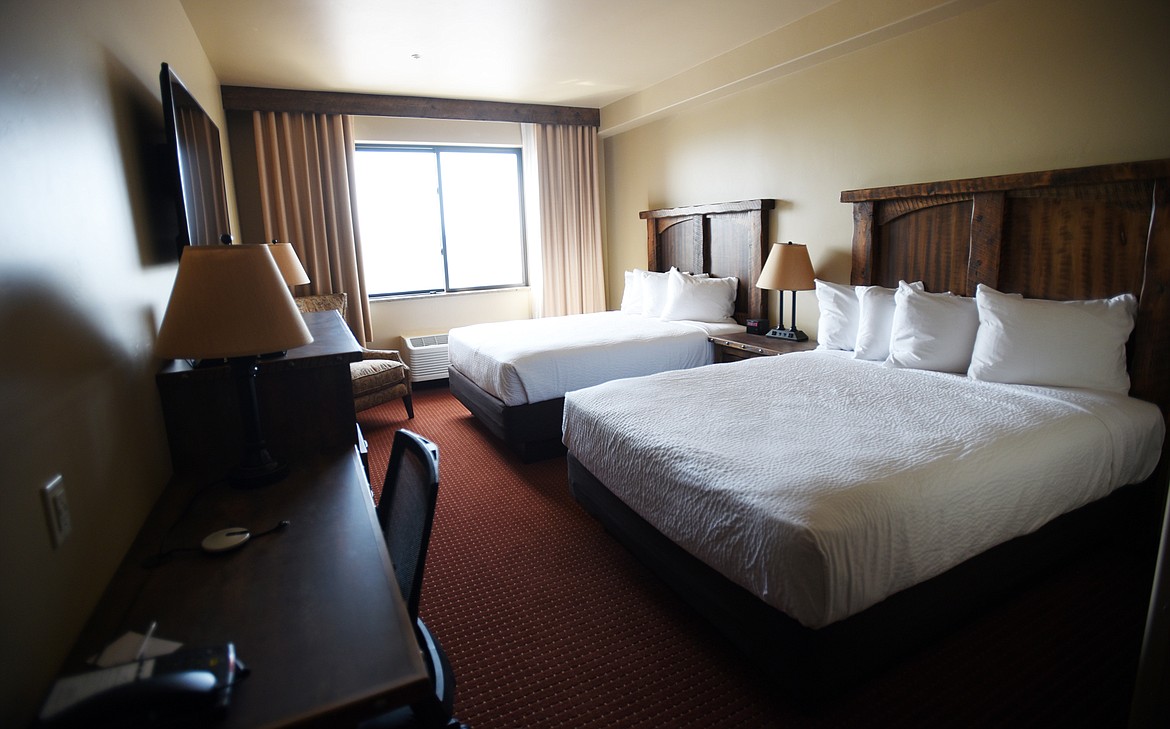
<point x="794" y="335"/>
<point x="257" y="469"/>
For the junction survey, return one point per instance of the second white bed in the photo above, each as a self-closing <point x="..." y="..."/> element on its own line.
<point x="532" y="360"/>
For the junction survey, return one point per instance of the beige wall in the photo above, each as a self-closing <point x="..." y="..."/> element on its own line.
<point x="82" y="287"/>
<point x="1002" y="87"/>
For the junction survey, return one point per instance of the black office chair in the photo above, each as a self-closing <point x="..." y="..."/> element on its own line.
<point x="406" y="512"/>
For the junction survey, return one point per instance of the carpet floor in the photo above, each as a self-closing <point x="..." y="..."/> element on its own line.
<point x="549" y="622"/>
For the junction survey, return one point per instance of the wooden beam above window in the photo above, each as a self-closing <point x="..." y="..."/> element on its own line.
<point x="248" y="98"/>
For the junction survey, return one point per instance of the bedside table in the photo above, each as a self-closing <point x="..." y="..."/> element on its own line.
<point x="734" y="347"/>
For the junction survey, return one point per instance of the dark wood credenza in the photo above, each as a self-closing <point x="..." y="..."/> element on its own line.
<point x="313" y="608"/>
<point x="305" y="399"/>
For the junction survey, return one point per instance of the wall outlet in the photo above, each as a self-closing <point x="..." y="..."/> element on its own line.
<point x="57" y="510"/>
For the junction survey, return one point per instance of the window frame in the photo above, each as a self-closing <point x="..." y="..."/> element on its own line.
<point x="436" y="150"/>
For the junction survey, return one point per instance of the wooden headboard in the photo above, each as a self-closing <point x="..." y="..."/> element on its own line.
<point x="1089" y="232"/>
<point x="722" y="239"/>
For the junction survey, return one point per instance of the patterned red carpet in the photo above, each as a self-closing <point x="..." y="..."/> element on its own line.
<point x="548" y="622"/>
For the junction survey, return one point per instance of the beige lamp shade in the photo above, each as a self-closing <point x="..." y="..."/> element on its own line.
<point x="788" y="268"/>
<point x="229" y="301"/>
<point x="288" y="263"/>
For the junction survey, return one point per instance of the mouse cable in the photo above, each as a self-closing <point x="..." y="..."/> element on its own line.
<point x="160" y="558"/>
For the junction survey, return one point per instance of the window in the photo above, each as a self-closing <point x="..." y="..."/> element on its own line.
<point x="439" y="218"/>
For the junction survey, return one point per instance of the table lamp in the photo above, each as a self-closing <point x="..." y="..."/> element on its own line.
<point x="286" y="260"/>
<point x="231" y="302"/>
<point x="788" y="268"/>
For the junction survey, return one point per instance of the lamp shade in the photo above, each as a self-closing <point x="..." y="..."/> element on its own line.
<point x="288" y="263"/>
<point x="788" y="268"/>
<point x="229" y="301"/>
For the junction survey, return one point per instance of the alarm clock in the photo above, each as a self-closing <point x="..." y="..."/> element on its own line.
<point x="757" y="326"/>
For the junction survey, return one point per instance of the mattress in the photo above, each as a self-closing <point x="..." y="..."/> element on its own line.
<point x="825" y="484"/>
<point x="532" y="360"/>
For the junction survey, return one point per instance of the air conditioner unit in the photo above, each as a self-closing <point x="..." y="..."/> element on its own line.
<point x="426" y="355"/>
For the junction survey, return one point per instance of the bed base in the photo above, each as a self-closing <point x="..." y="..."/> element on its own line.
<point x="813" y="665"/>
<point x="533" y="430"/>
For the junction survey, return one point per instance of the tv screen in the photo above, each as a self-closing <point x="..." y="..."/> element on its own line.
<point x="197" y="158"/>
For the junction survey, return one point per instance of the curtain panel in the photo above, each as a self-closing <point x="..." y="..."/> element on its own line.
<point x="307" y="194"/>
<point x="569" y="278"/>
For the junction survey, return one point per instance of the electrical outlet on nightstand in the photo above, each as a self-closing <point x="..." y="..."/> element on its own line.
<point x="57" y="510"/>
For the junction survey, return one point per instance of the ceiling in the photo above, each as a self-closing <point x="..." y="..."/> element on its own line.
<point x="566" y="52"/>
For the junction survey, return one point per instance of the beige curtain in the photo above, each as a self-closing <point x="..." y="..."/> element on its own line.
<point x="307" y="195"/>
<point x="569" y="278"/>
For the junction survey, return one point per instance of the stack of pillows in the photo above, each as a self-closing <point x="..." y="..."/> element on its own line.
<point x="995" y="337"/>
<point x="677" y="296"/>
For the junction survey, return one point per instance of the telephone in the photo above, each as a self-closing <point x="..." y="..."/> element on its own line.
<point x="184" y="688"/>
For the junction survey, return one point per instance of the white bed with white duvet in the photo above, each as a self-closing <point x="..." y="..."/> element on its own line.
<point x="833" y="511"/>
<point x="843" y="480"/>
<point x="531" y="360"/>
<point x="702" y="264"/>
<point x="513" y="375"/>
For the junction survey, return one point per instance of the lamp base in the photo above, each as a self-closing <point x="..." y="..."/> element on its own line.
<point x="794" y="335"/>
<point x="258" y="468"/>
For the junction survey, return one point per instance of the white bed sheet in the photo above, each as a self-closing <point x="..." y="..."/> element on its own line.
<point x="531" y="360"/>
<point x="825" y="484"/>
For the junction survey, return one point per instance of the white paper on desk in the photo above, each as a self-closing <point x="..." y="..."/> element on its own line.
<point x="125" y="649"/>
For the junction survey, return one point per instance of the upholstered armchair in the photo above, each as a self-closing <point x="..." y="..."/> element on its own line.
<point x="380" y="376"/>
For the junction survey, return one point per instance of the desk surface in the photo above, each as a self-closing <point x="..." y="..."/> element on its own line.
<point x="314" y="609"/>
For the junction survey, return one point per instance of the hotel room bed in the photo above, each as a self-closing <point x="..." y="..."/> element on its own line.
<point x="857" y="510"/>
<point x="841" y="488"/>
<point x="531" y="360"/>
<point x="513" y="375"/>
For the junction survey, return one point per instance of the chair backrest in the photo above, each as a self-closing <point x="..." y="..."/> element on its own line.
<point x="406" y="510"/>
<point x="322" y="302"/>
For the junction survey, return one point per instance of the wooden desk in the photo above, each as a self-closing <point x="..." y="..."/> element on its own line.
<point x="305" y="400"/>
<point x="314" y="610"/>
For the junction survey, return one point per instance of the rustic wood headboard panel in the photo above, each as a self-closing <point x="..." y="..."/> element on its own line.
<point x="722" y="239"/>
<point x="1089" y="232"/>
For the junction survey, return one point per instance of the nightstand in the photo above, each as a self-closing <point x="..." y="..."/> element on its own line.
<point x="734" y="347"/>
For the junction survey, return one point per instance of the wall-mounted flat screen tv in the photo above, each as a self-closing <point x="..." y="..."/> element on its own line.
<point x="197" y="158"/>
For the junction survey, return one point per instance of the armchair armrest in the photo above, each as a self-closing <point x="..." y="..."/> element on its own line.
<point x="391" y="354"/>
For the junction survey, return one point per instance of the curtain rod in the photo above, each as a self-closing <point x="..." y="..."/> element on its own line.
<point x="250" y="98"/>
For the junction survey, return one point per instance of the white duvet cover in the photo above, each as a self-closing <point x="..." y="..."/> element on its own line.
<point x="824" y="484"/>
<point x="531" y="360"/>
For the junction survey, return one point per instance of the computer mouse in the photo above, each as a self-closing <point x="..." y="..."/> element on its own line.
<point x="226" y="539"/>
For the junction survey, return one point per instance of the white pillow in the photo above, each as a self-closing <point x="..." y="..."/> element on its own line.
<point x="932" y="331"/>
<point x="632" y="293"/>
<point x="875" y="315"/>
<point x="1053" y="343"/>
<point x="837" y="325"/>
<point x="653" y="288"/>
<point x="699" y="298"/>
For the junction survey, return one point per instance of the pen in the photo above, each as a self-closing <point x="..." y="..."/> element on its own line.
<point x="146" y="640"/>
